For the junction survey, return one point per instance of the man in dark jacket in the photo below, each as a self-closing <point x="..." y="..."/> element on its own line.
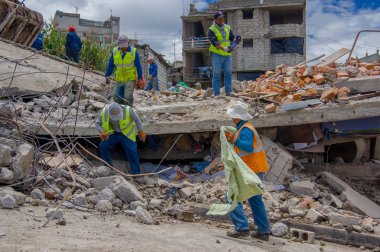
<point x="73" y="45"/>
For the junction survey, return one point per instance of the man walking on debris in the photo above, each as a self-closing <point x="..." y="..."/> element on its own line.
<point x="248" y="146"/>
<point x="126" y="60"/>
<point x="152" y="78"/>
<point x="73" y="45"/>
<point x="220" y="35"/>
<point x="120" y="124"/>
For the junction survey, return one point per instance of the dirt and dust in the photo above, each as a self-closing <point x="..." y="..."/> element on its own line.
<point x="88" y="232"/>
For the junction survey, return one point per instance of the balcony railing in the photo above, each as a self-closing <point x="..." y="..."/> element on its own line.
<point x="196" y="43"/>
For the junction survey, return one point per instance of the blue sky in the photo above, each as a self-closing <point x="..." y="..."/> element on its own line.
<point x="331" y="24"/>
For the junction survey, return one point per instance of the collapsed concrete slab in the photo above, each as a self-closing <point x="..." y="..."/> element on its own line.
<point x="355" y="201"/>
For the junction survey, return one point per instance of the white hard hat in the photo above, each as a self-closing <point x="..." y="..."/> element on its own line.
<point x="240" y="110"/>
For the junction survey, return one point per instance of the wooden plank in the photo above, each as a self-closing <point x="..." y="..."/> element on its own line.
<point x="333" y="57"/>
<point x="361" y="85"/>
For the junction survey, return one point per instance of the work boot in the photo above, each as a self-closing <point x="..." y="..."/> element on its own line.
<point x="263" y="237"/>
<point x="238" y="234"/>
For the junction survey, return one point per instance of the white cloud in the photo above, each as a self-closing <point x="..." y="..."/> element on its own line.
<point x="332" y="25"/>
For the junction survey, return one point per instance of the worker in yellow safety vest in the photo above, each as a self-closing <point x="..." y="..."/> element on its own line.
<point x="248" y="146"/>
<point x="119" y="124"/>
<point x="126" y="60"/>
<point x="220" y="36"/>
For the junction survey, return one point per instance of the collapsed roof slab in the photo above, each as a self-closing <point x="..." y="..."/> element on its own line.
<point x="201" y="120"/>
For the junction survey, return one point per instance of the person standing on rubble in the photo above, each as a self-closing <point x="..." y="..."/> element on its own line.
<point x="127" y="62"/>
<point x="220" y="36"/>
<point x="120" y="124"/>
<point x="152" y="78"/>
<point x="73" y="45"/>
<point x="248" y="146"/>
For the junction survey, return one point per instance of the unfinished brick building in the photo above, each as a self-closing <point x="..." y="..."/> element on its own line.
<point x="273" y="32"/>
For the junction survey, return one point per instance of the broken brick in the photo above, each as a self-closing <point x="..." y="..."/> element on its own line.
<point x="319" y="78"/>
<point x="324" y="70"/>
<point x="329" y="94"/>
<point x="297" y="97"/>
<point x="270" y="108"/>
<point x="312" y="92"/>
<point x="343" y="75"/>
<point x="374" y="72"/>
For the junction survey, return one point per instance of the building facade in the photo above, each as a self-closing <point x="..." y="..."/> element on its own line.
<point x="273" y="32"/>
<point x="104" y="32"/>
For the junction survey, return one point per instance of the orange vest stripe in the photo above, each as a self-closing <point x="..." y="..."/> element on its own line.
<point x="257" y="159"/>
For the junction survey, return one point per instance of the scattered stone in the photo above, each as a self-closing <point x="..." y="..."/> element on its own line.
<point x="126" y="191"/>
<point x="104" y="206"/>
<point x="345" y="220"/>
<point x="8" y="202"/>
<point x="143" y="216"/>
<point x="357" y="228"/>
<point x="306" y="188"/>
<point x="186" y="192"/>
<point x="296" y="212"/>
<point x="22" y="161"/>
<point x="52" y="213"/>
<point x="367" y="225"/>
<point x="217" y="241"/>
<point x="80" y="200"/>
<point x="37" y="194"/>
<point x="323" y="244"/>
<point x="185" y="215"/>
<point x="102" y="171"/>
<point x="133" y="205"/>
<point x="61" y="221"/>
<point x="130" y="213"/>
<point x="377" y="249"/>
<point x="38" y="202"/>
<point x="3" y="232"/>
<point x="331" y="200"/>
<point x="103" y="182"/>
<point x="106" y="194"/>
<point x="200" y="198"/>
<point x="68" y="205"/>
<point x="5" y="155"/>
<point x="363" y="248"/>
<point x="6" y="175"/>
<point x="338" y="226"/>
<point x="314" y="216"/>
<point x="279" y="229"/>
<point x="93" y="199"/>
<point x="19" y="197"/>
<point x="117" y="202"/>
<point x="162" y="183"/>
<point x="155" y="203"/>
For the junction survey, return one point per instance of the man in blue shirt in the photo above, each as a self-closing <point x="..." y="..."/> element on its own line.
<point x="152" y="78"/>
<point x="126" y="60"/>
<point x="73" y="45"/>
<point x="38" y="44"/>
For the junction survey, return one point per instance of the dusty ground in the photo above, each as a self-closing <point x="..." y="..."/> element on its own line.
<point x="88" y="232"/>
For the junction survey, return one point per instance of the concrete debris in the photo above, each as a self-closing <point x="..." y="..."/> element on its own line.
<point x="53" y="213"/>
<point x="314" y="216"/>
<point x="80" y="200"/>
<point x="23" y="161"/>
<point x="306" y="188"/>
<point x="102" y="171"/>
<point x="6" y="175"/>
<point x="104" y="206"/>
<point x="143" y="216"/>
<point x="126" y="191"/>
<point x="7" y="202"/>
<point x="19" y="197"/>
<point x="186" y="192"/>
<point x="345" y="220"/>
<point x="37" y="194"/>
<point x="106" y="194"/>
<point x="5" y="155"/>
<point x="302" y="235"/>
<point x="135" y="204"/>
<point x="103" y="182"/>
<point x="279" y="229"/>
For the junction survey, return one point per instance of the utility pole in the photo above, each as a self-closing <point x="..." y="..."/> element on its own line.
<point x="174" y="51"/>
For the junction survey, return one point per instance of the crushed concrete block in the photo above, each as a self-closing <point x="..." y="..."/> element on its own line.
<point x="143" y="216"/>
<point x="80" y="200"/>
<point x="102" y="171"/>
<point x="314" y="216"/>
<point x="37" y="194"/>
<point x="270" y="108"/>
<point x="106" y="194"/>
<point x="103" y="182"/>
<point x="162" y="183"/>
<point x="135" y="204"/>
<point x="345" y="220"/>
<point x="104" y="206"/>
<point x="6" y="175"/>
<point x="200" y="198"/>
<point x="126" y="191"/>
<point x="186" y="215"/>
<point x="131" y="213"/>
<point x="117" y="202"/>
<point x="367" y="225"/>
<point x="359" y="203"/>
<point x="357" y="228"/>
<point x="279" y="229"/>
<point x="8" y="202"/>
<point x="54" y="214"/>
<point x="302" y="235"/>
<point x="5" y="155"/>
<point x="305" y="187"/>
<point x="296" y="212"/>
<point x="331" y="200"/>
<point x="186" y="192"/>
<point x="155" y="203"/>
<point x="93" y="199"/>
<point x="19" y="197"/>
<point x="23" y="160"/>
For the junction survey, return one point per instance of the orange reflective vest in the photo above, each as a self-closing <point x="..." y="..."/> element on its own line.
<point x="257" y="159"/>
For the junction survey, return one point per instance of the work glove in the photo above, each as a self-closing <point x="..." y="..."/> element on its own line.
<point x="225" y="49"/>
<point x="103" y="136"/>
<point x="142" y="136"/>
<point x="108" y="80"/>
<point x="150" y="77"/>
<point x="230" y="136"/>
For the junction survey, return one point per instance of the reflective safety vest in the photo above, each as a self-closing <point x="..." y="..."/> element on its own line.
<point x="224" y="41"/>
<point x="126" y="69"/>
<point x="126" y="124"/>
<point x="257" y="159"/>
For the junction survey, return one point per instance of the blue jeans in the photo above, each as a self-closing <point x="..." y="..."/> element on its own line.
<point x="124" y="93"/>
<point x="130" y="150"/>
<point x="258" y="211"/>
<point x="152" y="84"/>
<point x="221" y="63"/>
